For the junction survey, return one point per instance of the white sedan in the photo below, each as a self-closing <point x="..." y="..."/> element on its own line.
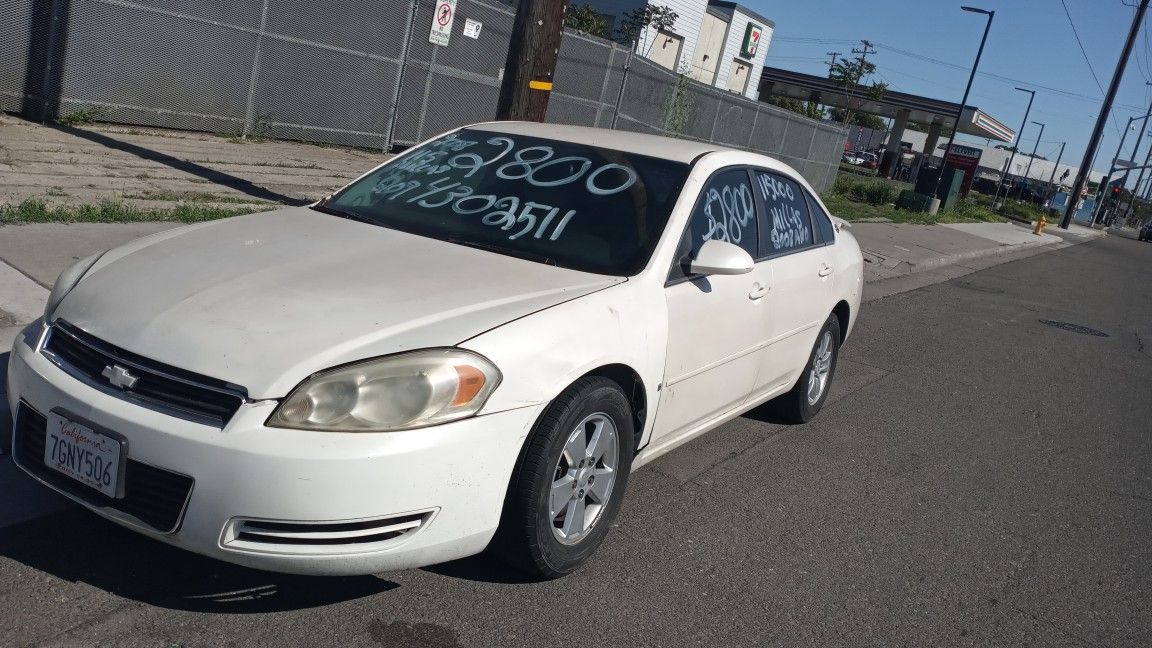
<point x="473" y="344"/>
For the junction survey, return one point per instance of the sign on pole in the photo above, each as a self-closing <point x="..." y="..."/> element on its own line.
<point x="1123" y="164"/>
<point x="442" y="22"/>
<point x="966" y="159"/>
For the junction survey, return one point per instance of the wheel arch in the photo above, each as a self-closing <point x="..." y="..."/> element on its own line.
<point x="843" y="313"/>
<point x="633" y="388"/>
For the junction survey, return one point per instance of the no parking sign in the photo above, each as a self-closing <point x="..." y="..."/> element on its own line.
<point x="442" y="22"/>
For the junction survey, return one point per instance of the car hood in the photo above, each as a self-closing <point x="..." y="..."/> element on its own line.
<point x="265" y="300"/>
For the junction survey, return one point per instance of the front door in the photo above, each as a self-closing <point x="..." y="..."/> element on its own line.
<point x="716" y="324"/>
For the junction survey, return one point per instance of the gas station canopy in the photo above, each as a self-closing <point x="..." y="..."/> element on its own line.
<point x="898" y="105"/>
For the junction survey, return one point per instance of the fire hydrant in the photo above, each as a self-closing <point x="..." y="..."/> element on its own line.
<point x="1039" y="225"/>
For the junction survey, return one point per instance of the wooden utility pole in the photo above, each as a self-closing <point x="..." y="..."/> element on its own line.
<point x="832" y="64"/>
<point x="531" y="63"/>
<point x="1102" y="118"/>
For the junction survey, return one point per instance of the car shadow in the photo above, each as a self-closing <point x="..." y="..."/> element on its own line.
<point x="76" y="545"/>
<point x="485" y="567"/>
<point x="767" y="413"/>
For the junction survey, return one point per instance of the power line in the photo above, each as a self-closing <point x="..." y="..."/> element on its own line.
<point x="1072" y="24"/>
<point x="1005" y="79"/>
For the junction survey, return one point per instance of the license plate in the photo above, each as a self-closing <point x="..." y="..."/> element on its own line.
<point x="83" y="454"/>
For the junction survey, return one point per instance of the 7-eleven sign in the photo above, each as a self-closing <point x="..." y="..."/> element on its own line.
<point x="751" y="40"/>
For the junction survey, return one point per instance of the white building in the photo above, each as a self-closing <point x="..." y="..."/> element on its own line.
<point x="731" y="48"/>
<point x="719" y="43"/>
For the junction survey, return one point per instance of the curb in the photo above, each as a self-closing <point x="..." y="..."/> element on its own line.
<point x="908" y="268"/>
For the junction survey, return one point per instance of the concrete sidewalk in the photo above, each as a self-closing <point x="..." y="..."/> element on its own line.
<point x="898" y="249"/>
<point x="157" y="169"/>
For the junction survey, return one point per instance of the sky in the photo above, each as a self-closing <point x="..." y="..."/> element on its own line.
<point x="927" y="47"/>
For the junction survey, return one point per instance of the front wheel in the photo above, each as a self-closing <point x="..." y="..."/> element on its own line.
<point x="570" y="481"/>
<point x="806" y="399"/>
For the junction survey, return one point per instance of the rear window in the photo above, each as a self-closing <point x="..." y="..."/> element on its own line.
<point x="573" y="205"/>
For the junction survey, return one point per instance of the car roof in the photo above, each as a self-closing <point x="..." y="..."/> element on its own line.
<point x="668" y="148"/>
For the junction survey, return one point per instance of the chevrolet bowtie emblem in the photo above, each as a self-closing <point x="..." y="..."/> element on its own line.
<point x="119" y="377"/>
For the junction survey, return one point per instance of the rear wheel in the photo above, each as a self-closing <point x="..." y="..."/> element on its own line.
<point x="571" y="480"/>
<point x="806" y="399"/>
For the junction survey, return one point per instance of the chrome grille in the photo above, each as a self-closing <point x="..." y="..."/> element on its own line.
<point x="156" y="386"/>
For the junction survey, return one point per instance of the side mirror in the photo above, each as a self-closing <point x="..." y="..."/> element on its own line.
<point x="721" y="258"/>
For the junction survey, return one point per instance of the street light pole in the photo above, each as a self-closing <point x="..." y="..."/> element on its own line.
<point x="963" y="102"/>
<point x="1048" y="189"/>
<point x="1112" y="167"/>
<point x="1028" y="169"/>
<point x="1140" y="179"/>
<point x="1016" y="145"/>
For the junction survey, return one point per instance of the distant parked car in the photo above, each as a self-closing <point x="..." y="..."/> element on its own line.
<point x="852" y="157"/>
<point x="869" y="160"/>
<point x="1146" y="231"/>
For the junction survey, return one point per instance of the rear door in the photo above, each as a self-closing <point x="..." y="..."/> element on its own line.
<point x="796" y="250"/>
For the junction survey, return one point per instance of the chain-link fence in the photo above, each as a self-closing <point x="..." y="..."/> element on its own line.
<point x="356" y="74"/>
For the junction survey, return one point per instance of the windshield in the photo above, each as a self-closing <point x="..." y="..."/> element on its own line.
<point x="571" y="205"/>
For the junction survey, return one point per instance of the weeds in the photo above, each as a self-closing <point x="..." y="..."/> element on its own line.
<point x="876" y="192"/>
<point x="36" y="211"/>
<point x="193" y="196"/>
<point x="82" y="115"/>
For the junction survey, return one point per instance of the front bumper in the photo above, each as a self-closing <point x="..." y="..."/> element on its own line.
<point x="291" y="500"/>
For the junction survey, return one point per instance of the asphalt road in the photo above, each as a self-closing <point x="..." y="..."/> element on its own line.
<point x="981" y="478"/>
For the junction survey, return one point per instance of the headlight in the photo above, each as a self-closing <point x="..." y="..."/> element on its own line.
<point x="398" y="392"/>
<point x="67" y="281"/>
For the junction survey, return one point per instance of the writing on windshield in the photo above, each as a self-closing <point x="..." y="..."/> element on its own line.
<point x="441" y="176"/>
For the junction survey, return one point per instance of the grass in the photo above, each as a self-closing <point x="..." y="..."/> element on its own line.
<point x="36" y="211"/>
<point x="854" y="200"/>
<point x="194" y="196"/>
<point x="82" y="115"/>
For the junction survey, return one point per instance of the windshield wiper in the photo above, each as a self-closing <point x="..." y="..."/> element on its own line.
<point x="342" y="213"/>
<point x="530" y="256"/>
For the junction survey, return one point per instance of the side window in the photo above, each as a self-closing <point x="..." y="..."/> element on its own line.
<point x="790" y="226"/>
<point x="725" y="211"/>
<point x="824" y="228"/>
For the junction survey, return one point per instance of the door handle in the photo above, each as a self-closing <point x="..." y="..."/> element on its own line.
<point x="758" y="291"/>
<point x="825" y="270"/>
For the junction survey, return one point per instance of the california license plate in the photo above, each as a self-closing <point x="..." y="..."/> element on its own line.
<point x="83" y="454"/>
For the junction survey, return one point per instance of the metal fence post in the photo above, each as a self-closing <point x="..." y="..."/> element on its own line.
<point x="623" y="84"/>
<point x="52" y="75"/>
<point x="752" y="133"/>
<point x="390" y="136"/>
<point x="250" y="108"/>
<point x="603" y="103"/>
<point x="715" y="121"/>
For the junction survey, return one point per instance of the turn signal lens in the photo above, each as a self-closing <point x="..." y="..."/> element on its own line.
<point x="469" y="382"/>
<point x="398" y="392"/>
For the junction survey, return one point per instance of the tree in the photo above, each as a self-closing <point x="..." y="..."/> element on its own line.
<point x="806" y="108"/>
<point x="583" y="18"/>
<point x="658" y="17"/>
<point x="850" y="73"/>
<point x="865" y="120"/>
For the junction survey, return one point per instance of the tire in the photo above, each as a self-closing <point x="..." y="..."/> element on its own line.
<point x="798" y="406"/>
<point x="541" y="535"/>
